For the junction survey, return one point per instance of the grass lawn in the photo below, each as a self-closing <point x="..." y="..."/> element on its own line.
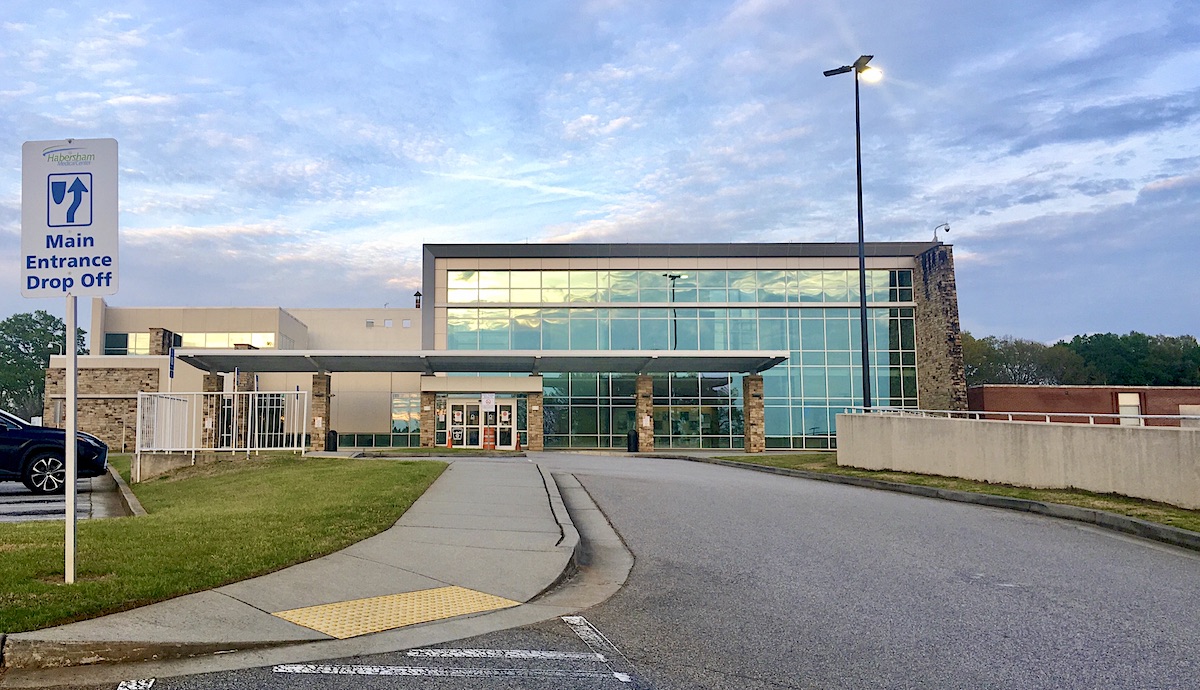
<point x="438" y="452"/>
<point x="207" y="526"/>
<point x="826" y="462"/>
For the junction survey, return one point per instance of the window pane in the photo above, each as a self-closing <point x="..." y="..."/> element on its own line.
<point x="809" y="285"/>
<point x="743" y="286"/>
<point x="836" y="286"/>
<point x="493" y="279"/>
<point x="462" y="279"/>
<point x="772" y="286"/>
<point x="555" y="330"/>
<point x="525" y="279"/>
<point x="623" y="286"/>
<point x="653" y="333"/>
<point x="526" y="329"/>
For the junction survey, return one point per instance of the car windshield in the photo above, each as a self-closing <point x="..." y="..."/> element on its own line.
<point x="13" y="418"/>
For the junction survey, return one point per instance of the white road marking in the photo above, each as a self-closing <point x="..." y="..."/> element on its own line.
<point x="596" y="641"/>
<point x="324" y="669"/>
<point x="505" y="654"/>
<point x="593" y="638"/>
<point x="144" y="684"/>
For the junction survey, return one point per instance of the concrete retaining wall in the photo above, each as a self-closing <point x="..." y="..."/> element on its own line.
<point x="1158" y="464"/>
<point x="155" y="464"/>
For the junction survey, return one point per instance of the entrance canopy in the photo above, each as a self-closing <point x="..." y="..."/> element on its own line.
<point x="500" y="361"/>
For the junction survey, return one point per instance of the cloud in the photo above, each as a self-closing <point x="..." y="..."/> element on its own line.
<point x="1115" y="121"/>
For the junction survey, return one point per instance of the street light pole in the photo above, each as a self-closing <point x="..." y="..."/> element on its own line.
<point x="860" y="67"/>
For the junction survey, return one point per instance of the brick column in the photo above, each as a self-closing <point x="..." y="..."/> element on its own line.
<point x="753" y="413"/>
<point x="534" y="421"/>
<point x="210" y="410"/>
<point x="320" y="411"/>
<point x="428" y="419"/>
<point x="941" y="377"/>
<point x="645" y="411"/>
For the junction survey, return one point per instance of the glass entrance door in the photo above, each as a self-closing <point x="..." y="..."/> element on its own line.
<point x="464" y="423"/>
<point x="468" y="424"/>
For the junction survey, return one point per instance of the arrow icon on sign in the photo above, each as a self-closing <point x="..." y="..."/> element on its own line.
<point x="77" y="189"/>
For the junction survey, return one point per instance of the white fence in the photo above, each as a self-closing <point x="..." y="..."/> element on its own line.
<point x="245" y="421"/>
<point x="1165" y="420"/>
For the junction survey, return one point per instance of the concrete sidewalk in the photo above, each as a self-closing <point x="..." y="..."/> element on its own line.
<point x="487" y="536"/>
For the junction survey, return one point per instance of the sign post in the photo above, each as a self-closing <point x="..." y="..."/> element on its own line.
<point x="69" y="249"/>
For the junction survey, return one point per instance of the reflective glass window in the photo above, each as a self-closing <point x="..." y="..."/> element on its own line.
<point x="526" y="329"/>
<point x="623" y="286"/>
<point x="556" y="333"/>
<point x="810" y="286"/>
<point x="525" y="279"/>
<point x="772" y="286"/>
<point x="836" y="286"/>
<point x="743" y="286"/>
<point x="462" y="279"/>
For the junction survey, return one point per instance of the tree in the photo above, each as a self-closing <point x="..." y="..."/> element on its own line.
<point x="1016" y="361"/>
<point x="1137" y="359"/>
<point x="26" y="343"/>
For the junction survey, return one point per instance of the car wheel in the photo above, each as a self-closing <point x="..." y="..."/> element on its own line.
<point x="46" y="473"/>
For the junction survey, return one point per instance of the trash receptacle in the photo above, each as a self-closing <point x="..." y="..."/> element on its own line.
<point x="631" y="442"/>
<point x="331" y="440"/>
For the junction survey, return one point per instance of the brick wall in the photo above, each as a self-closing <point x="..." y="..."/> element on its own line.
<point x="941" y="378"/>
<point x="106" y="402"/>
<point x="1083" y="400"/>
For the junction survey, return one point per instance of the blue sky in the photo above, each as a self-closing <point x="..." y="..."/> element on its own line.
<point x="299" y="153"/>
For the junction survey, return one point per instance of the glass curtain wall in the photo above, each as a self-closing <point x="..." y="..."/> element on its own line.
<point x="812" y="314"/>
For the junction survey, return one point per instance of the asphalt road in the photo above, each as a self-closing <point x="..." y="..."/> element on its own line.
<point x="747" y="580"/>
<point x="18" y="504"/>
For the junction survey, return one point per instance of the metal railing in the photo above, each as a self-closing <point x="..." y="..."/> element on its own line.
<point x="1166" y="420"/>
<point x="245" y="421"/>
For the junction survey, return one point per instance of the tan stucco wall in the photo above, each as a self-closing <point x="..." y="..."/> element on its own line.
<point x="1158" y="464"/>
<point x="346" y="329"/>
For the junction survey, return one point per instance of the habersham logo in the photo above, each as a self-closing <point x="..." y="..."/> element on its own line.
<point x="68" y="155"/>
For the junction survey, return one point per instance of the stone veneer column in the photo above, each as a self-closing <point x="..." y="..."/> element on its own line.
<point x="320" y="410"/>
<point x="753" y="414"/>
<point x="941" y="377"/>
<point x="644" y="411"/>
<point x="428" y="419"/>
<point x="161" y="341"/>
<point x="533" y="420"/>
<point x="210" y="416"/>
<point x="243" y="383"/>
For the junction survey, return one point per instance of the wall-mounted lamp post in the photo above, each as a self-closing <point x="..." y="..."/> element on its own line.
<point x="868" y="74"/>
<point x="417" y="297"/>
<point x="943" y="226"/>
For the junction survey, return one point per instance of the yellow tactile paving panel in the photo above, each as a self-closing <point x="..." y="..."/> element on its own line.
<point x="361" y="616"/>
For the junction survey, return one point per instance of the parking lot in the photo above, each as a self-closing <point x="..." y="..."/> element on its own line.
<point x="97" y="498"/>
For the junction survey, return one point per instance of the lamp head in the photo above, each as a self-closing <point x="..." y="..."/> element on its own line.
<point x="870" y="75"/>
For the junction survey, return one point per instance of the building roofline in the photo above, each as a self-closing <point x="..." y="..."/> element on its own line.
<point x="674" y="250"/>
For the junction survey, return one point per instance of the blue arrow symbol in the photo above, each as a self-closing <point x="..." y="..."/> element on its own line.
<point x="77" y="189"/>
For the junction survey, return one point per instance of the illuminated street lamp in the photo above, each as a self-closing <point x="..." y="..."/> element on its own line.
<point x="868" y="74"/>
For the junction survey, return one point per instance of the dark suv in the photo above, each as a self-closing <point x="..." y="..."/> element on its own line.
<point x="36" y="455"/>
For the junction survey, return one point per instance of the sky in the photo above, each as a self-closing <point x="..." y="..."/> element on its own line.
<point x="298" y="154"/>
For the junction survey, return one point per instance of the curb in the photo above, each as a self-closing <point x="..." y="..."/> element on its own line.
<point x="568" y="533"/>
<point x="32" y="654"/>
<point x="1137" y="527"/>
<point x="132" y="505"/>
